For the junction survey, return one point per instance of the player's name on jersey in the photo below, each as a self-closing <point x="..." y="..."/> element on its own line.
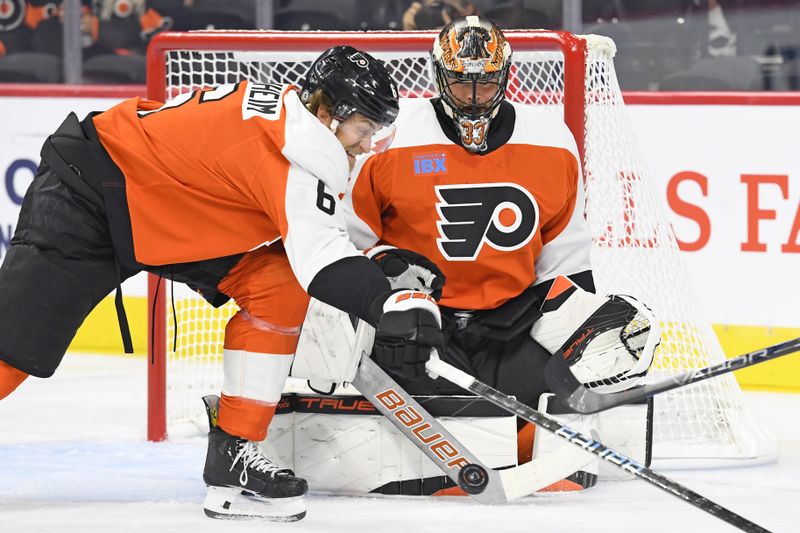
<point x="262" y="100"/>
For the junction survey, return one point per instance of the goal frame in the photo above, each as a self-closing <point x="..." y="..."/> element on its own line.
<point x="573" y="48"/>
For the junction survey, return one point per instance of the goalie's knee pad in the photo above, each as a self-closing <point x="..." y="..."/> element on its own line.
<point x="626" y="429"/>
<point x="545" y="442"/>
<point x="608" y="341"/>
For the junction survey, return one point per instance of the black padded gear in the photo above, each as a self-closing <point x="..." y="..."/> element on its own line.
<point x="403" y="341"/>
<point x="355" y="82"/>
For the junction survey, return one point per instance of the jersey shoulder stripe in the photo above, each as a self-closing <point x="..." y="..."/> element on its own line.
<point x="417" y="125"/>
<point x="535" y="126"/>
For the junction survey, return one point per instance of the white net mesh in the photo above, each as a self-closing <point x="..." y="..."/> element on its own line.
<point x="634" y="252"/>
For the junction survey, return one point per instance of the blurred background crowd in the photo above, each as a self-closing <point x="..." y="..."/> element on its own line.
<point x="716" y="45"/>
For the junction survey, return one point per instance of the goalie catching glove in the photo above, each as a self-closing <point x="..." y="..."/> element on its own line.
<point x="608" y="341"/>
<point x="408" y="270"/>
<point x="408" y="327"/>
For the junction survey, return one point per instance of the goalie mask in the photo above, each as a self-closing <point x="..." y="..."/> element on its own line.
<point x="471" y="60"/>
<point x="354" y="81"/>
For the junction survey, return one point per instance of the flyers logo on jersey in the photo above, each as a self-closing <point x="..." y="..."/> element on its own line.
<point x="502" y="215"/>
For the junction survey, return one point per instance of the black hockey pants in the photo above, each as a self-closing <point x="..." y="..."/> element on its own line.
<point x="59" y="266"/>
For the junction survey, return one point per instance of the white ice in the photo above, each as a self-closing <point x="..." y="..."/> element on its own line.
<point x="74" y="458"/>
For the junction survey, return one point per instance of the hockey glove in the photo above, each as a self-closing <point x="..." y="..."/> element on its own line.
<point x="408" y="270"/>
<point x="409" y="325"/>
<point x="608" y="341"/>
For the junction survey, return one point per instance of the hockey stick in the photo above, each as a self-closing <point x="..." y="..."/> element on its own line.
<point x="437" y="367"/>
<point x="453" y="458"/>
<point x="577" y="397"/>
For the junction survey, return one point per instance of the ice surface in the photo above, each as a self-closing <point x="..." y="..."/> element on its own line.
<point x="75" y="459"/>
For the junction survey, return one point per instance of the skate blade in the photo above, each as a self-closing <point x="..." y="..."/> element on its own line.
<point x="226" y="503"/>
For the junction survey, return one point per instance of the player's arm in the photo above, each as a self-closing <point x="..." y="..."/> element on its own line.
<point x="364" y="203"/>
<point x="333" y="271"/>
<point x="609" y="341"/>
<point x="311" y="224"/>
<point x="566" y="240"/>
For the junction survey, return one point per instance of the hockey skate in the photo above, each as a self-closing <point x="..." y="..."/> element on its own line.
<point x="242" y="483"/>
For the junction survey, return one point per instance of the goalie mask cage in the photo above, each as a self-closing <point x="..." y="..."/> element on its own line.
<point x="634" y="249"/>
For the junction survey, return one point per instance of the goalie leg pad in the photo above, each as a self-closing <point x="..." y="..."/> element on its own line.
<point x="343" y="445"/>
<point x="545" y="443"/>
<point x="628" y="429"/>
<point x="232" y="504"/>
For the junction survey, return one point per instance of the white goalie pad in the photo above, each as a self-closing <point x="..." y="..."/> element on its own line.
<point x="343" y="445"/>
<point x="326" y="351"/>
<point x="545" y="443"/>
<point x="626" y="429"/>
<point x="608" y="341"/>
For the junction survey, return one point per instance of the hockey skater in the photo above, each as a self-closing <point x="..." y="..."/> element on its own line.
<point x="492" y="193"/>
<point x="235" y="191"/>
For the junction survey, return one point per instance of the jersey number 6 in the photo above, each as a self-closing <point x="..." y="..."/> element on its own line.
<point x="325" y="201"/>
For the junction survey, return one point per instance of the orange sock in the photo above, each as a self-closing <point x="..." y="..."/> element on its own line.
<point x="245" y="418"/>
<point x="10" y="378"/>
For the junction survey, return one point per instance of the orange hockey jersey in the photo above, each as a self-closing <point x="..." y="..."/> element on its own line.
<point x="223" y="171"/>
<point x="495" y="223"/>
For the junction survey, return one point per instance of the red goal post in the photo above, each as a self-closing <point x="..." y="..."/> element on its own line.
<point x="634" y="249"/>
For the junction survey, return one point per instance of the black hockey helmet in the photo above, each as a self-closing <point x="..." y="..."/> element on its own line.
<point x="354" y="81"/>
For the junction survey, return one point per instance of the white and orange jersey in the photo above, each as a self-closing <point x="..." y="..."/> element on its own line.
<point x="494" y="223"/>
<point x="223" y="171"/>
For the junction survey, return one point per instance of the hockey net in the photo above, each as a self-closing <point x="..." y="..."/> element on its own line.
<point x="635" y="251"/>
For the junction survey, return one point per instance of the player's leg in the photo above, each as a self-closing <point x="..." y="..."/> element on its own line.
<point x="260" y="341"/>
<point x="59" y="266"/>
<point x="10" y="379"/>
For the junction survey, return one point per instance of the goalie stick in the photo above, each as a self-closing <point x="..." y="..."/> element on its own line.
<point x="453" y="458"/>
<point x="437" y="367"/>
<point x="580" y="399"/>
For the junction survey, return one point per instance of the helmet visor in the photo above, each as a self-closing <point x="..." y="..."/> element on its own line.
<point x="383" y="138"/>
<point x="361" y="135"/>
